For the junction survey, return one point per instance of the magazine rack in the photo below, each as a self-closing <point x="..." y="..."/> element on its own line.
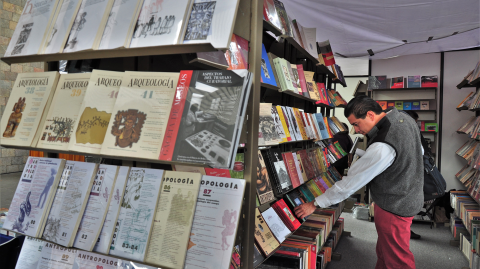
<point x="250" y="25"/>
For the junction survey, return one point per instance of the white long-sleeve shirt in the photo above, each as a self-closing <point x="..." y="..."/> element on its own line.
<point x="377" y="158"/>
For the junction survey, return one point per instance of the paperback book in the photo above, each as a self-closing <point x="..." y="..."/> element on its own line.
<point x="160" y="22"/>
<point x="63" y="112"/>
<point x="97" y="206"/>
<point x="32" y="27"/>
<point x="33" y="198"/>
<point x="30" y="254"/>
<point x="267" y="130"/>
<point x="212" y="239"/>
<point x="137" y="212"/>
<point x="90" y="21"/>
<point x="210" y="22"/>
<point x="206" y="118"/>
<point x="95" y="112"/>
<point x="56" y="257"/>
<point x="429" y="81"/>
<point x="68" y="208"/>
<point x="105" y="237"/>
<point x="413" y="82"/>
<point x="139" y="117"/>
<point x="277" y="226"/>
<point x="264" y="186"/>
<point x="263" y="235"/>
<point x="27" y="108"/>
<point x="174" y="218"/>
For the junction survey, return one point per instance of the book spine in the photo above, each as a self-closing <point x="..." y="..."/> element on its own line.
<point x="171" y="132"/>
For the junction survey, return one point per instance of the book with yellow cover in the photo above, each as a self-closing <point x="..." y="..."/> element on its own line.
<point x="27" y="108"/>
<point x="300" y="123"/>
<point x="63" y="113"/>
<point x="95" y="113"/>
<point x="173" y="219"/>
<point x="139" y="117"/>
<point x="263" y="235"/>
<point x="309" y="79"/>
<point x="284" y="123"/>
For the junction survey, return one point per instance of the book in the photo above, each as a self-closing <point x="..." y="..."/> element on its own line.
<point x="122" y="21"/>
<point x="291" y="168"/>
<point x="301" y="123"/>
<point x="286" y="215"/>
<point x="284" y="20"/>
<point x="70" y="202"/>
<point x="63" y="21"/>
<point x="267" y="132"/>
<point x="407" y="105"/>
<point x="279" y="125"/>
<point x="299" y="35"/>
<point x="207" y="116"/>
<point x="139" y="117"/>
<point x="137" y="212"/>
<point x="210" y="22"/>
<point x="97" y="206"/>
<point x="234" y="55"/>
<point x="326" y="53"/>
<point x="296" y="78"/>
<point x="263" y="235"/>
<point x="95" y="112"/>
<point x="104" y="240"/>
<point x="55" y="257"/>
<point x="311" y="85"/>
<point x="63" y="112"/>
<point x="267" y="72"/>
<point x="283" y="73"/>
<point x="431" y="127"/>
<point x="413" y="82"/>
<point x="396" y="82"/>
<point x="175" y="208"/>
<point x="291" y="124"/>
<point x="429" y="81"/>
<point x="32" y="28"/>
<point x="220" y="198"/>
<point x="383" y="104"/>
<point x="416" y="105"/>
<point x="303" y="83"/>
<point x="270" y="13"/>
<point x="257" y="256"/>
<point x="85" y="259"/>
<point x="276" y="224"/>
<point x="89" y="25"/>
<point x="399" y="105"/>
<point x="161" y="22"/>
<point x="33" y="197"/>
<point x="264" y="186"/>
<point x="382" y="82"/>
<point x="390" y="104"/>
<point x="27" y="108"/>
<point x="424" y="105"/>
<point x="30" y="254"/>
<point x="310" y="41"/>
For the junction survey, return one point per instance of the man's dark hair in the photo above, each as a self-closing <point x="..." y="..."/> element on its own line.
<point x="411" y="113"/>
<point x="360" y="105"/>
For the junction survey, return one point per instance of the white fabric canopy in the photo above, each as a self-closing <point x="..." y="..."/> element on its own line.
<point x="355" y="26"/>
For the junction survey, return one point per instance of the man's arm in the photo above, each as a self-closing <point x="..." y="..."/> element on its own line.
<point x="378" y="157"/>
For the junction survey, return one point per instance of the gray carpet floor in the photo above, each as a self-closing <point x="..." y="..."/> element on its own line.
<point x="432" y="251"/>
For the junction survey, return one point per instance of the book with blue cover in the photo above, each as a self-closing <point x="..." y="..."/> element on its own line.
<point x="321" y="125"/>
<point x="413" y="82"/>
<point x="416" y="105"/>
<point x="267" y="72"/>
<point x="407" y="105"/>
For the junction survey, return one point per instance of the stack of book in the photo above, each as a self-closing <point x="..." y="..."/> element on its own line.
<point x="336" y="98"/>
<point x="472" y="77"/>
<point x="466" y="173"/>
<point x="405" y="105"/>
<point x="471" y="102"/>
<point x="467" y="149"/>
<point x="95" y="207"/>
<point x="191" y="116"/>
<point x="471" y="127"/>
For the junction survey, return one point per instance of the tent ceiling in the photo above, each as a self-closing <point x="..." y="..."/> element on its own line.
<point x="354" y="26"/>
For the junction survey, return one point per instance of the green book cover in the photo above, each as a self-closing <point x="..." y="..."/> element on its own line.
<point x="337" y="145"/>
<point x="306" y="192"/>
<point x="285" y="72"/>
<point x="238" y="167"/>
<point x="281" y="78"/>
<point x="399" y="105"/>
<point x="431" y="127"/>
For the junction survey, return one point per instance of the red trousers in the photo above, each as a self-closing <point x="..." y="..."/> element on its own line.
<point x="393" y="244"/>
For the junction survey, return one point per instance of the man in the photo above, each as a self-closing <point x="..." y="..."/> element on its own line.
<point x="393" y="168"/>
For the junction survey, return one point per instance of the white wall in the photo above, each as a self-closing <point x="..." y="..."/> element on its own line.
<point x="456" y="66"/>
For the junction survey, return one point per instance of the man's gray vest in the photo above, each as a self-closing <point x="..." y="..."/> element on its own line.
<point x="399" y="189"/>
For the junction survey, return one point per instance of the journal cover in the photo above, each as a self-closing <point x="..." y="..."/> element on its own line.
<point x="30" y="254"/>
<point x="264" y="186"/>
<point x="416" y="105"/>
<point x="279" y="125"/>
<point x="413" y="82"/>
<point x="429" y="81"/>
<point x="263" y="235"/>
<point x="407" y="105"/>
<point x="399" y="105"/>
<point x="396" y="82"/>
<point x="267" y="72"/>
<point x="277" y="226"/>
<point x="424" y="105"/>
<point x="267" y="130"/>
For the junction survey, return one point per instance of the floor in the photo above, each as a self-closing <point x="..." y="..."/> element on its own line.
<point x="432" y="251"/>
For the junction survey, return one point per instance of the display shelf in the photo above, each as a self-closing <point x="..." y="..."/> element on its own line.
<point x="343" y="83"/>
<point x="268" y="26"/>
<point x="289" y="142"/>
<point x="428" y="132"/>
<point x="408" y="100"/>
<point x="341" y="204"/>
<point x="322" y="69"/>
<point x="462" y="108"/>
<point x="207" y="64"/>
<point x="404" y="89"/>
<point x="300" y="49"/>
<point x="428" y="110"/>
<point x="342" y="106"/>
<point x="465" y="84"/>
<point x="299" y="96"/>
<point x="112" y="53"/>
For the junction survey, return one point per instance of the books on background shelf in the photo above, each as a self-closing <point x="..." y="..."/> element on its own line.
<point x="32" y="28"/>
<point x="377" y="82"/>
<point x="471" y="127"/>
<point x="270" y="13"/>
<point x="405" y="105"/>
<point x="396" y="82"/>
<point x="466" y="150"/>
<point x="471" y="102"/>
<point x="27" y="108"/>
<point x="382" y="82"/>
<point x="267" y="73"/>
<point x="427" y="126"/>
<point x="414" y="82"/>
<point x="33" y="197"/>
<point x="429" y="81"/>
<point x="209" y="115"/>
<point x="361" y="88"/>
<point x="325" y="56"/>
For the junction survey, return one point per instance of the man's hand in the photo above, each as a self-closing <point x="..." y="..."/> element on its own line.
<point x="305" y="210"/>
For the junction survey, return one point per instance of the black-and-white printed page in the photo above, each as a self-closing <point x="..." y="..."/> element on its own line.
<point x="211" y="22"/>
